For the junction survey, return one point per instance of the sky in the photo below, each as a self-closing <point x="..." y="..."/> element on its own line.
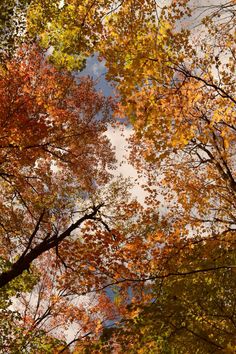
<point x="118" y="137"/>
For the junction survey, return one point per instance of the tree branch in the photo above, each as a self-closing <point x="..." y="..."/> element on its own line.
<point x="25" y="261"/>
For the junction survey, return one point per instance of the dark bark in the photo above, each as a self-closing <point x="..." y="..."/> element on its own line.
<point x="28" y="256"/>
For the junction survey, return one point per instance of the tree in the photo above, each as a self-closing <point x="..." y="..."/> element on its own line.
<point x="190" y="307"/>
<point x="77" y="29"/>
<point x="177" y="88"/>
<point x="16" y="334"/>
<point x="55" y="161"/>
<point x="12" y="26"/>
<point x="73" y="28"/>
<point x="168" y="270"/>
<point x="53" y="152"/>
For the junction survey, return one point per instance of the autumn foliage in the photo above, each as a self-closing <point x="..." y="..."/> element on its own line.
<point x="85" y="267"/>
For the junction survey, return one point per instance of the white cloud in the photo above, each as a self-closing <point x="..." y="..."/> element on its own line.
<point x="119" y="139"/>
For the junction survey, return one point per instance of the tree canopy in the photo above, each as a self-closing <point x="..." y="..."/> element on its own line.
<point x="86" y="268"/>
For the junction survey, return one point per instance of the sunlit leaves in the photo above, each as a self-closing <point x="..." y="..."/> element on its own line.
<point x="164" y="272"/>
<point x="72" y="29"/>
